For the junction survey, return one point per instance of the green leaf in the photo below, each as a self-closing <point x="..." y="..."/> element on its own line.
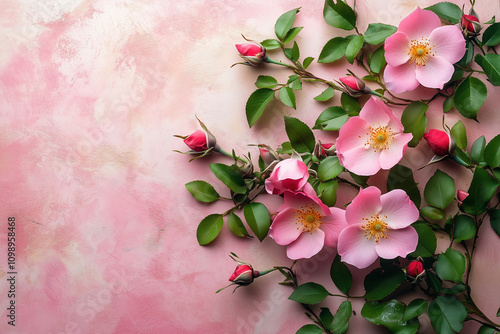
<point x="447" y="314"/>
<point x="486" y="330"/>
<point x="414" y="309"/>
<point x="401" y="177"/>
<point x="481" y="190"/>
<point x="309" y="293"/>
<point x="285" y="23"/>
<point x="341" y="275"/>
<point x="495" y="222"/>
<point x="376" y="33"/>
<point x="447" y="11"/>
<point x="326" y="95"/>
<point x="329" y="168"/>
<point x="326" y="316"/>
<point x="231" y="178"/>
<point x="448" y="104"/>
<point x="295" y="52"/>
<point x="439" y="190"/>
<point x="258" y="218"/>
<point x="427" y="241"/>
<point x="477" y="151"/>
<point x="333" y="50"/>
<point x="307" y="62"/>
<point x="327" y="192"/>
<point x="464" y="61"/>
<point x="451" y="265"/>
<point x="433" y="281"/>
<point x="294" y="82"/>
<point x="341" y="321"/>
<point x="491" y="66"/>
<point x="287" y="96"/>
<point x="491" y="35"/>
<point x="310" y="329"/>
<point x="300" y="135"/>
<point x="209" y="228"/>
<point x="455" y="289"/>
<point x="464" y="229"/>
<point x="331" y="119"/>
<point x="350" y="104"/>
<point x="459" y="134"/>
<point x="414" y="121"/>
<point x="378" y="62"/>
<point x="266" y="81"/>
<point x="470" y="96"/>
<point x="382" y="281"/>
<point x="432" y="212"/>
<point x="390" y="315"/>
<point x="339" y="15"/>
<point x="492" y="152"/>
<point x="202" y="191"/>
<point x="271" y="44"/>
<point x="236" y="225"/>
<point x="292" y="34"/>
<point x="353" y="48"/>
<point x="256" y="104"/>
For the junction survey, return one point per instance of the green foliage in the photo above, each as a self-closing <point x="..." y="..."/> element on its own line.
<point x="326" y="95"/>
<point x="427" y="241"/>
<point x="492" y="152"/>
<point x="447" y="314"/>
<point x="327" y="192"/>
<point x="464" y="228"/>
<point x="209" y="228"/>
<point x="377" y="61"/>
<point x="333" y="50"/>
<point x="481" y="190"/>
<point x="390" y="315"/>
<point x="307" y="61"/>
<point x="258" y="218"/>
<point x="339" y="15"/>
<point x="266" y="81"/>
<point x="432" y="212"/>
<point x="414" y="121"/>
<point x="470" y="96"/>
<point x="236" y="226"/>
<point x="329" y="168"/>
<point x="491" y="66"/>
<point x="414" y="309"/>
<point x="300" y="135"/>
<point x="382" y="281"/>
<point x="309" y="329"/>
<point x="292" y="34"/>
<point x="401" y="177"/>
<point x="477" y="151"/>
<point x="459" y="134"/>
<point x="341" y="275"/>
<point x="448" y="104"/>
<point x="350" y="104"/>
<point x="202" y="191"/>
<point x="331" y="119"/>
<point x="491" y="35"/>
<point x="287" y="96"/>
<point x="495" y="222"/>
<point x="285" y="23"/>
<point x="271" y="44"/>
<point x="447" y="11"/>
<point x="341" y="321"/>
<point x="353" y="48"/>
<point x="231" y="178"/>
<point x="256" y="104"/>
<point x="376" y="33"/>
<point x="451" y="265"/>
<point x="440" y="190"/>
<point x="309" y="293"/>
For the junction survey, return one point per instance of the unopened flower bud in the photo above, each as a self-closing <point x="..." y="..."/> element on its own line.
<point x="201" y="142"/>
<point x="415" y="269"/>
<point x="253" y="54"/>
<point x="354" y="86"/>
<point x="461" y="196"/>
<point x="470" y="25"/>
<point x="267" y="154"/>
<point x="244" y="275"/>
<point x="440" y="142"/>
<point x="323" y="150"/>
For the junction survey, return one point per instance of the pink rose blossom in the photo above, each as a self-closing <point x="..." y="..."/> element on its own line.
<point x="290" y="174"/>
<point x="379" y="226"/>
<point x="305" y="224"/>
<point x="372" y="141"/>
<point x="422" y="52"/>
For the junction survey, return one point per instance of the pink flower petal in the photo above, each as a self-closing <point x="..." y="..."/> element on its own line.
<point x="399" y="209"/>
<point x="363" y="160"/>
<point x="375" y="112"/>
<point x="333" y="225"/>
<point x="396" y="49"/>
<point x="399" y="243"/>
<point x="448" y="43"/>
<point x="365" y="205"/>
<point x="436" y="72"/>
<point x="391" y="156"/>
<point x="352" y="134"/>
<point x="307" y="245"/>
<point x="354" y="248"/>
<point x="285" y="227"/>
<point x="420" y="23"/>
<point x="299" y="200"/>
<point x="401" y="78"/>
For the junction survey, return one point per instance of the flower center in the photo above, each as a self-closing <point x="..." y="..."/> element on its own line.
<point x="309" y="218"/>
<point x="375" y="228"/>
<point x="379" y="138"/>
<point x="420" y="51"/>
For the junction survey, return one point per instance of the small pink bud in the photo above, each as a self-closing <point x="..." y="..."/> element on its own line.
<point x="254" y="54"/>
<point x="440" y="142"/>
<point x="243" y="275"/>
<point x="470" y="23"/>
<point x="461" y="196"/>
<point x="414" y="268"/>
<point x="267" y="154"/>
<point x="197" y="141"/>
<point x="353" y="85"/>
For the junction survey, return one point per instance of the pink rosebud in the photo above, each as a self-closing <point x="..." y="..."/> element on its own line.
<point x="267" y="154"/>
<point x="322" y="151"/>
<point x="354" y="86"/>
<point x="461" y="196"/>
<point x="440" y="142"/>
<point x="326" y="148"/>
<point x="243" y="275"/>
<point x="290" y="174"/>
<point x="470" y="24"/>
<point x="201" y="142"/>
<point x="414" y="269"/>
<point x="254" y="54"/>
<point x="197" y="141"/>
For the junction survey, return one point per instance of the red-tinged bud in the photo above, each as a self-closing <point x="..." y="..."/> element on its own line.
<point x="201" y="142"/>
<point x="354" y="86"/>
<point x="253" y="54"/>
<point x="322" y="151"/>
<point x="440" y="142"/>
<point x="197" y="141"/>
<point x="470" y="25"/>
<point x="415" y="269"/>
<point x="267" y="154"/>
<point x="244" y="275"/>
<point x="461" y="196"/>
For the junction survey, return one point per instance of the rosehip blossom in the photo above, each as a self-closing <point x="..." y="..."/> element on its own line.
<point x="290" y="174"/>
<point x="372" y="141"/>
<point x="253" y="54"/>
<point x="378" y="226"/>
<point x="440" y="142"/>
<point x="304" y="224"/>
<point x="422" y="52"/>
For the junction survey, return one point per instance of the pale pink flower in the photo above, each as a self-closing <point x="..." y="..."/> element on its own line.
<point x="422" y="52"/>
<point x="373" y="140"/>
<point x="305" y="224"/>
<point x="290" y="174"/>
<point x="379" y="225"/>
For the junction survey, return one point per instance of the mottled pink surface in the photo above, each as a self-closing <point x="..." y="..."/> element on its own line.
<point x="92" y="92"/>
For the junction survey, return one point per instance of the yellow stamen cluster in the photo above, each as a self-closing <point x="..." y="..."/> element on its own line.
<point x="308" y="218"/>
<point x="420" y="51"/>
<point x="379" y="138"/>
<point x="375" y="228"/>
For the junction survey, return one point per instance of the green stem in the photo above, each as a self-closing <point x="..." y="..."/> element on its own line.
<point x="220" y="150"/>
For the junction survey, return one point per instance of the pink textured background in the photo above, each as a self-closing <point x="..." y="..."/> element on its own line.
<point x="92" y="92"/>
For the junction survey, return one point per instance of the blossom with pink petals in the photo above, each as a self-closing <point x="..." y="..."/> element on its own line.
<point x="305" y="225"/>
<point x="422" y="52"/>
<point x="378" y="226"/>
<point x="290" y="174"/>
<point x="373" y="140"/>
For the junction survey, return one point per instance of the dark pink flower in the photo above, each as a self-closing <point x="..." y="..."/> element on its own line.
<point x="353" y="86"/>
<point x="253" y="53"/>
<point x="439" y="142"/>
<point x="414" y="268"/>
<point x="290" y="174"/>
<point x="197" y="141"/>
<point x="243" y="275"/>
